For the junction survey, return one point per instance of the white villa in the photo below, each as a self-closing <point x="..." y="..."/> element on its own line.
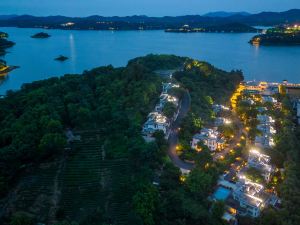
<point x="265" y="119"/>
<point x="156" y="121"/>
<point x="218" y="108"/>
<point x="264" y="141"/>
<point x="168" y="86"/>
<point x="266" y="129"/>
<point x="210" y="138"/>
<point x="219" y="121"/>
<point x="260" y="162"/>
<point x="270" y="99"/>
<point x="251" y="197"/>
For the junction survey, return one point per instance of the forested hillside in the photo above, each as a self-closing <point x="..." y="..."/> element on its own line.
<point x="105" y="175"/>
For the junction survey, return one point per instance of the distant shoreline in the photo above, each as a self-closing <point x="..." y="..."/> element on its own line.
<point x="127" y="23"/>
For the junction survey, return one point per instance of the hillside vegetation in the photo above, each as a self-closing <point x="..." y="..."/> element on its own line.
<point x="105" y="175"/>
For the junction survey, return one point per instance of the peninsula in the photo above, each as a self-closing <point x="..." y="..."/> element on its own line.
<point x="5" y="69"/>
<point x="289" y="35"/>
<point x="224" y="28"/>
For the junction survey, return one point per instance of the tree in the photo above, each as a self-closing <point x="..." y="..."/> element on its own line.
<point x="217" y="211"/>
<point x="254" y="175"/>
<point x="144" y="202"/>
<point x="51" y="143"/>
<point x="203" y="157"/>
<point x="21" y="218"/>
<point x="169" y="109"/>
<point x="199" y="183"/>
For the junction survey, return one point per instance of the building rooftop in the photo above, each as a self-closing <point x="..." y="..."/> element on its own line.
<point x="259" y="161"/>
<point x="264" y="141"/>
<point x="168" y="86"/>
<point x="250" y="193"/>
<point x="266" y="129"/>
<point x="265" y="119"/>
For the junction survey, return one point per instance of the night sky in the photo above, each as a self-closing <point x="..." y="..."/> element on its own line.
<point x="139" y="7"/>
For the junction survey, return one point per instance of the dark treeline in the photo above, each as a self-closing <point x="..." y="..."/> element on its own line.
<point x="149" y="23"/>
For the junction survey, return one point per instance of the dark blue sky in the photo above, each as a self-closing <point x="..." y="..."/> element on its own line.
<point x="139" y="7"/>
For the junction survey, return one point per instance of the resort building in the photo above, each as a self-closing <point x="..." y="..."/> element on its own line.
<point x="265" y="119"/>
<point x="168" y="86"/>
<point x="219" y="108"/>
<point x="210" y="138"/>
<point x="262" y="109"/>
<point x="269" y="99"/>
<point x="220" y="121"/>
<point x="164" y="98"/>
<point x="251" y="197"/>
<point x="260" y="162"/>
<point x="156" y="122"/>
<point x="249" y="101"/>
<point x="266" y="129"/>
<point x="264" y="141"/>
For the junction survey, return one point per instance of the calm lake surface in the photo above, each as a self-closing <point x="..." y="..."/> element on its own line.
<point x="89" y="49"/>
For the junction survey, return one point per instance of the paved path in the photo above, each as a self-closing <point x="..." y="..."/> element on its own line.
<point x="173" y="137"/>
<point x="235" y="141"/>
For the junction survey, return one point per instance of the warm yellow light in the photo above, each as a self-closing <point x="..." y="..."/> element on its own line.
<point x="182" y="178"/>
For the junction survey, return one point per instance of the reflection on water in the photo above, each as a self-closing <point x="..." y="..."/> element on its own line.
<point x="72" y="52"/>
<point x="90" y="49"/>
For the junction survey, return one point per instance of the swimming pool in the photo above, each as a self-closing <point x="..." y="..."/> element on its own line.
<point x="221" y="194"/>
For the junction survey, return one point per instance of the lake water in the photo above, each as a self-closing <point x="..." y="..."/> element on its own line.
<point x="89" y="49"/>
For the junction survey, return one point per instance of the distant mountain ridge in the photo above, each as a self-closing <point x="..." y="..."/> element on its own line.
<point x="143" y="22"/>
<point x="4" y="17"/>
<point x="224" y="14"/>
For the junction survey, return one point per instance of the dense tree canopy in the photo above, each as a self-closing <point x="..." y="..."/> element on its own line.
<point x="115" y="103"/>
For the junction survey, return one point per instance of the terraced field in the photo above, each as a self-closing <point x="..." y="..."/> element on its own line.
<point x="80" y="184"/>
<point x="34" y="193"/>
<point x="89" y="181"/>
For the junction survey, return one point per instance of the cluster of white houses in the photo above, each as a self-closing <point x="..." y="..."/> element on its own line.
<point x="252" y="197"/>
<point x="157" y="121"/>
<point x="210" y="136"/>
<point x="246" y="197"/>
<point x="267" y="131"/>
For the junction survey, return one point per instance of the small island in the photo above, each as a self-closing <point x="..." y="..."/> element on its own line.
<point x="61" y="58"/>
<point x="288" y="35"/>
<point x="41" y="35"/>
<point x="224" y="28"/>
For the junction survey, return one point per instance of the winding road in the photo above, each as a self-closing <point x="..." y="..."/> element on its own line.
<point x="173" y="137"/>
